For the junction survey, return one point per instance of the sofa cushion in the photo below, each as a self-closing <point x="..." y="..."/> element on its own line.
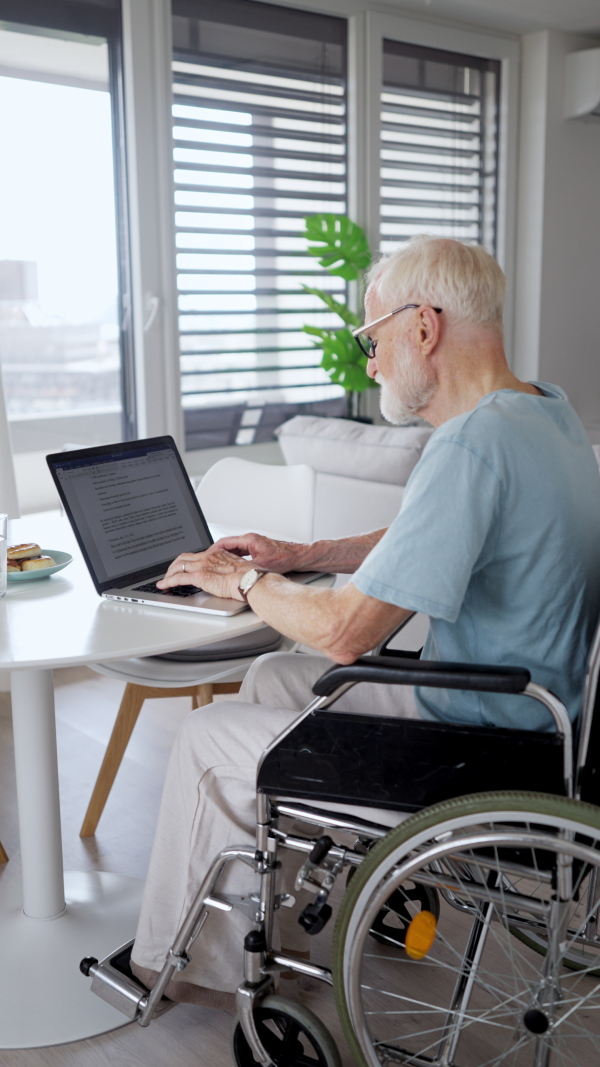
<point x="353" y="449"/>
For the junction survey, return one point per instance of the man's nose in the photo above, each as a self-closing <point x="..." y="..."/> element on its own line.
<point x="372" y="367"/>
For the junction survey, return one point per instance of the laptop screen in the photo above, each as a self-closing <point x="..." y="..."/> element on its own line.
<point x="132" y="507"/>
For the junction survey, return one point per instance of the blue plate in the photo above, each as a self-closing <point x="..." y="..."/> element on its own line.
<point x="62" y="560"/>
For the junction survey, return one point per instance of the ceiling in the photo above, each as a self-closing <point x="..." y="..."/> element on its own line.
<point x="515" y="16"/>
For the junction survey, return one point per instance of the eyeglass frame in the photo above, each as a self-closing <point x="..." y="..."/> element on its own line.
<point x="363" y="329"/>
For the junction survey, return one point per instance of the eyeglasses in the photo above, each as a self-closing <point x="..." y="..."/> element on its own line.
<point x="370" y="351"/>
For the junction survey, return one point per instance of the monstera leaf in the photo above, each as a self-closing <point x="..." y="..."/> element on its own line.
<point x="342" y="310"/>
<point x="339" y="245"/>
<point x="343" y="362"/>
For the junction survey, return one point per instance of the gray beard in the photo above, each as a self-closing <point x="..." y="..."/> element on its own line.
<point x="401" y="403"/>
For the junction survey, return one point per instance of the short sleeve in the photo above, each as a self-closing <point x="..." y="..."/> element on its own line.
<point x="448" y="527"/>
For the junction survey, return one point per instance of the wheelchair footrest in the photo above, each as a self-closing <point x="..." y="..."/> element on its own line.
<point x="114" y="981"/>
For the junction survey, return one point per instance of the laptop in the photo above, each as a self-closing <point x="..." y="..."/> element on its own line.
<point x="133" y="510"/>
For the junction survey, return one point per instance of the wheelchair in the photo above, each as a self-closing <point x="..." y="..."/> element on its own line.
<point x="467" y="936"/>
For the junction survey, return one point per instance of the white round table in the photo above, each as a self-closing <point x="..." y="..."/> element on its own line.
<point x="54" y="919"/>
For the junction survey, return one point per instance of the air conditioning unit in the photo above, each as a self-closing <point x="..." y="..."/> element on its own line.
<point x="582" y="86"/>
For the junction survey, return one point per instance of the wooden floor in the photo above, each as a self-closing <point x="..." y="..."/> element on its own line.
<point x="86" y="706"/>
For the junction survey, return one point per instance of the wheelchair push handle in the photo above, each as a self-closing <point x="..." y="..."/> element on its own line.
<point x="436" y="675"/>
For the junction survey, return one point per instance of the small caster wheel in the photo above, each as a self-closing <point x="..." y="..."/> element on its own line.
<point x="391" y="923"/>
<point x="291" y="1035"/>
<point x="86" y="965"/>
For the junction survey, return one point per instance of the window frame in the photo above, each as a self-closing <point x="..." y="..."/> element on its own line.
<point x="147" y="55"/>
<point x="104" y="21"/>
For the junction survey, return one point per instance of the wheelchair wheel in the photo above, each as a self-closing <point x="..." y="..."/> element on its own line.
<point x="291" y="1034"/>
<point x="472" y="995"/>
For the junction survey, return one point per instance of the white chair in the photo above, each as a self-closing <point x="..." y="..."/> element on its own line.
<point x="279" y="501"/>
<point x="235" y="495"/>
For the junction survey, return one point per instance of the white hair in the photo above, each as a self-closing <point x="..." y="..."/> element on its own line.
<point x="464" y="280"/>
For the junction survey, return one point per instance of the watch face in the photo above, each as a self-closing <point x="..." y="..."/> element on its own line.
<point x="247" y="579"/>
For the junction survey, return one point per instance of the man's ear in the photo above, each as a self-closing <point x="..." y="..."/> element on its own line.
<point x="429" y="329"/>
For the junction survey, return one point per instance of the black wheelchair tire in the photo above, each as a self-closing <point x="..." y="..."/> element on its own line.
<point x="292" y="1019"/>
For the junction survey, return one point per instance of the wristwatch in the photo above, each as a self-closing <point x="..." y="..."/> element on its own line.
<point x="249" y="580"/>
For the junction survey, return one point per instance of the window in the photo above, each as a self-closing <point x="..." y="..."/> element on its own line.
<point x="260" y="142"/>
<point x="64" y="354"/>
<point x="439" y="145"/>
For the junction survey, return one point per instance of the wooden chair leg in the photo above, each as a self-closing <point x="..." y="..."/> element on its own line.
<point x="205" y="693"/>
<point x="202" y="696"/>
<point x="3" y="856"/>
<point x="131" y="705"/>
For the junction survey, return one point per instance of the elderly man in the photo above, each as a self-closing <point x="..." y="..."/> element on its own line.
<point x="496" y="541"/>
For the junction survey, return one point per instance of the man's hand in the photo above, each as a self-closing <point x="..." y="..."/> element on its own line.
<point x="216" y="571"/>
<point x="278" y="556"/>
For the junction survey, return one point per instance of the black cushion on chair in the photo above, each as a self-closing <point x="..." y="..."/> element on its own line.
<point x="254" y="644"/>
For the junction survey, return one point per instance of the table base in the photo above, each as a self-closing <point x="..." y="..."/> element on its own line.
<point x="44" y="998"/>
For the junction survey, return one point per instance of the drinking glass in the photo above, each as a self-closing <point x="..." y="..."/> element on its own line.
<point x="3" y="535"/>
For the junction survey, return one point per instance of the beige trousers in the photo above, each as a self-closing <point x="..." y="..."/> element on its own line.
<point x="209" y="802"/>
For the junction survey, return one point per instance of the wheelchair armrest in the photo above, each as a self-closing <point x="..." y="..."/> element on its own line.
<point x="401" y="670"/>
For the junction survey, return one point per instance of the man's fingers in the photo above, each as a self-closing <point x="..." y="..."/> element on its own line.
<point x="238" y="546"/>
<point x="181" y="571"/>
<point x="179" y="578"/>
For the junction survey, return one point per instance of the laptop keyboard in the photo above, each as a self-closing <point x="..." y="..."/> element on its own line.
<point x="178" y="590"/>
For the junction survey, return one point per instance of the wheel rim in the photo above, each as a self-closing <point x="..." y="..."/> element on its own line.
<point x="287" y="1040"/>
<point x="523" y="1010"/>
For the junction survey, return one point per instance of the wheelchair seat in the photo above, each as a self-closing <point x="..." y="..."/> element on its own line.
<point x="406" y="764"/>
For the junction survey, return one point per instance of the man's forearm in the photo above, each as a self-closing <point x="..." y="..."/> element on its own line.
<point x="341" y="623"/>
<point x="342" y="556"/>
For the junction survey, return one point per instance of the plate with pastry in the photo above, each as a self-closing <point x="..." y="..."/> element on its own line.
<point x="29" y="562"/>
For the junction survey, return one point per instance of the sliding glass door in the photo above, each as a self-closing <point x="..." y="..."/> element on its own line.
<point x="64" y="338"/>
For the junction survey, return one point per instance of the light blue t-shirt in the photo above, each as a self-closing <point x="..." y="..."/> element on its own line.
<point x="498" y="541"/>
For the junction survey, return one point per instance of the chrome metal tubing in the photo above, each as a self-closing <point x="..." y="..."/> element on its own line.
<point x="464" y="986"/>
<point x="302" y="844"/>
<point x="587" y="713"/>
<point x="191" y="925"/>
<point x="246" y="999"/>
<point x="564" y="727"/>
<point x="481" y="892"/>
<point x="268" y="876"/>
<point x="591" y="908"/>
<point x="290" y="963"/>
<point x="331" y="819"/>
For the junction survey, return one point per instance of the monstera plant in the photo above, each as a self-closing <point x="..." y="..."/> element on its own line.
<point x="342" y="248"/>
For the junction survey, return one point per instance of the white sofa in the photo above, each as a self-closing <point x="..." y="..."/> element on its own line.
<point x="361" y="470"/>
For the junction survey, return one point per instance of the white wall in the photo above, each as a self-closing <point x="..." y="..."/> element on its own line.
<point x="558" y="232"/>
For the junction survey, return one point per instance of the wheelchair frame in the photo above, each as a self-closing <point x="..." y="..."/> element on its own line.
<point x="324" y="860"/>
